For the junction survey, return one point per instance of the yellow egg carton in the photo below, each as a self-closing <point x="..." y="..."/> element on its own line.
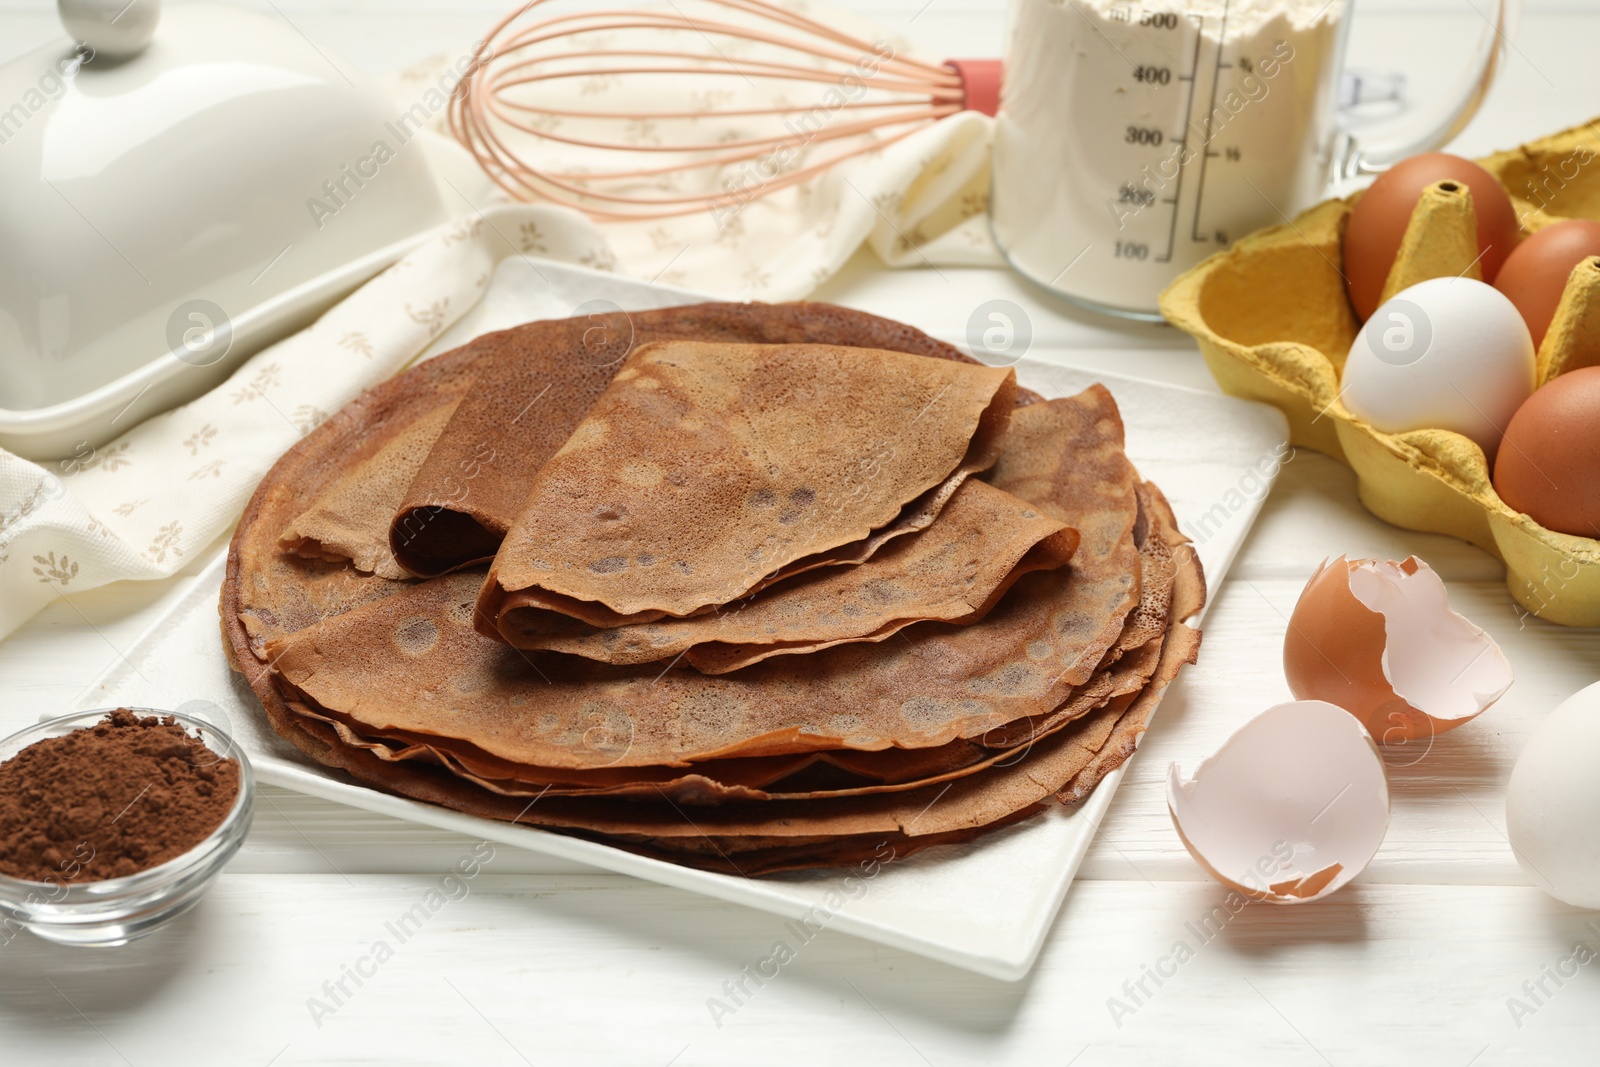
<point x="1274" y="323"/>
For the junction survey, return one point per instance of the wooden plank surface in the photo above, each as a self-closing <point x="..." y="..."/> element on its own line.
<point x="1418" y="962"/>
<point x="600" y="969"/>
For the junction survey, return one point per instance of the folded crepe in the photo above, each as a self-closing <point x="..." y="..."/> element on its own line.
<point x="705" y="470"/>
<point x="525" y="402"/>
<point x="339" y="524"/>
<point x="535" y="382"/>
<point x="954" y="571"/>
<point x="271" y="593"/>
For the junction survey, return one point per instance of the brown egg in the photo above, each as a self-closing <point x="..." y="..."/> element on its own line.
<point x="1378" y="222"/>
<point x="1549" y="464"/>
<point x="1379" y="640"/>
<point x="1536" y="272"/>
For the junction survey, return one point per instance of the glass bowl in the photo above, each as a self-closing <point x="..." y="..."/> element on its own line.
<point x="115" y="911"/>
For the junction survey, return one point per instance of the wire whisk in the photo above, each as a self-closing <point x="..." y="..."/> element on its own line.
<point x="696" y="107"/>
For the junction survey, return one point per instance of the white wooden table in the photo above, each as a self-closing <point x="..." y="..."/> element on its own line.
<point x="545" y="963"/>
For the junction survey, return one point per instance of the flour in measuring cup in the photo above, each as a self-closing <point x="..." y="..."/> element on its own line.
<point x="1135" y="139"/>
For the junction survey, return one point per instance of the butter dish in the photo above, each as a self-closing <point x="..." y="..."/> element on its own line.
<point x="177" y="190"/>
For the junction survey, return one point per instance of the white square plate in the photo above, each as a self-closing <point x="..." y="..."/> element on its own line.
<point x="984" y="906"/>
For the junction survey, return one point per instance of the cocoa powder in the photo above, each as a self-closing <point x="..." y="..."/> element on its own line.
<point x="110" y="800"/>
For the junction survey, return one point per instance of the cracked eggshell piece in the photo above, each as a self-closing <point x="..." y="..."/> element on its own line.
<point x="1289" y="809"/>
<point x="1553" y="802"/>
<point x="1380" y="640"/>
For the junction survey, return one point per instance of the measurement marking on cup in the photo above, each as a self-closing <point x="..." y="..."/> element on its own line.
<point x="1188" y="109"/>
<point x="1216" y="82"/>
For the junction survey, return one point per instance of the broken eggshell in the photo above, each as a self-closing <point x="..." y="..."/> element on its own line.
<point x="1289" y="809"/>
<point x="1379" y="639"/>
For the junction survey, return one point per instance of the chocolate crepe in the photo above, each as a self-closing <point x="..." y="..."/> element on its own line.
<point x="525" y="402"/>
<point x="339" y="524"/>
<point x="535" y="382"/>
<point x="955" y="571"/>
<point x="706" y="469"/>
<point x="272" y="593"/>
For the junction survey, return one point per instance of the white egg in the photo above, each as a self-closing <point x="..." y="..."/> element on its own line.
<point x="1553" y="802"/>
<point x="1449" y="354"/>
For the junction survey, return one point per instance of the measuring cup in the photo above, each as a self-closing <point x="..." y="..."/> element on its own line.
<point x="1135" y="139"/>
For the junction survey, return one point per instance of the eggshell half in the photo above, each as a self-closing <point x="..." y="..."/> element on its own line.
<point x="1553" y="802"/>
<point x="1379" y="640"/>
<point x="1290" y="808"/>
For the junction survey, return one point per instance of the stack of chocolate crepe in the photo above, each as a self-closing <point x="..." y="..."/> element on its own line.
<point x="748" y="587"/>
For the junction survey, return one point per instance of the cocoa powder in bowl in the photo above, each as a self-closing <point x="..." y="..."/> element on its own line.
<point x="126" y="794"/>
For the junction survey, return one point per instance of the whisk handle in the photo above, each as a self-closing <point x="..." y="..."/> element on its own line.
<point x="980" y="79"/>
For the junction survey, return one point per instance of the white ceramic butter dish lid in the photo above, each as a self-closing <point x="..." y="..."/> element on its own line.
<point x="178" y="188"/>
